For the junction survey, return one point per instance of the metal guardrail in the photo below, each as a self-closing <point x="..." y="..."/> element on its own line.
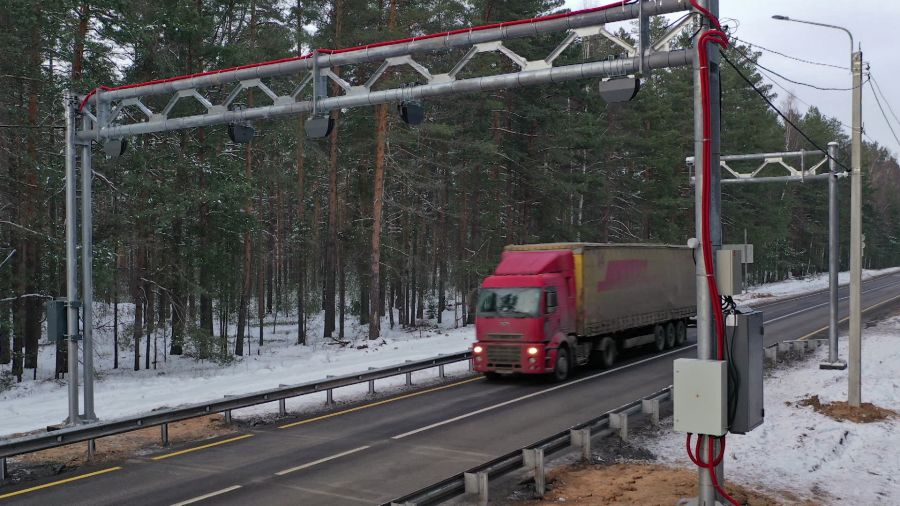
<point x="89" y="432"/>
<point x="532" y="455"/>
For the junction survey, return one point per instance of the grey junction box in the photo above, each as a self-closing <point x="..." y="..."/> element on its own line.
<point x="744" y="349"/>
<point x="56" y="320"/>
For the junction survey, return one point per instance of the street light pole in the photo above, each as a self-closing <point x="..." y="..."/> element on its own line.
<point x="854" y="391"/>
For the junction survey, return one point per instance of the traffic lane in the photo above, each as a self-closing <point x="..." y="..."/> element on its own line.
<point x="776" y="309"/>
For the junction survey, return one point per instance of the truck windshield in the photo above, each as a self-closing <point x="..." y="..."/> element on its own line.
<point x="515" y="302"/>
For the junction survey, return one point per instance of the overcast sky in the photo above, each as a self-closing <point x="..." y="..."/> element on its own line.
<point x="874" y="25"/>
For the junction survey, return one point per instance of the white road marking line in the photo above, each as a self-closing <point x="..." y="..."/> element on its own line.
<point x="207" y="496"/>
<point x="541" y="392"/>
<point x="317" y="462"/>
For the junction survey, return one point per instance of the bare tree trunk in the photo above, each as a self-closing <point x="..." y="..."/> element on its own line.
<point x="137" y="297"/>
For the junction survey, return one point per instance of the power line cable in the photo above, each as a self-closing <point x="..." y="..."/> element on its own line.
<point x="778" y="111"/>
<point x="804" y="102"/>
<point x="886" y="101"/>
<point x="883" y="114"/>
<point x="811" y="62"/>
<point x="822" y="88"/>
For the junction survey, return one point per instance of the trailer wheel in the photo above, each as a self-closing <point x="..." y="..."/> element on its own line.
<point x="670" y="335"/>
<point x="680" y="333"/>
<point x="659" y="338"/>
<point x="562" y="365"/>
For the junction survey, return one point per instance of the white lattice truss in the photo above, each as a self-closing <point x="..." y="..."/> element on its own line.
<point x="126" y="111"/>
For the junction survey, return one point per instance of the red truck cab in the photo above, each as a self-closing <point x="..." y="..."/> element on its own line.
<point x="525" y="315"/>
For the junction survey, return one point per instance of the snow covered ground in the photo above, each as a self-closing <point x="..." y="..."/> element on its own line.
<point x="781" y="289"/>
<point x="33" y="405"/>
<point x="799" y="450"/>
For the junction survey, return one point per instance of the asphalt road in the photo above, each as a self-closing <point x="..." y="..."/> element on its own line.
<point x="395" y="446"/>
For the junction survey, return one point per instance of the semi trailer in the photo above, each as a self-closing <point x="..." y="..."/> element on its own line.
<point x="549" y="308"/>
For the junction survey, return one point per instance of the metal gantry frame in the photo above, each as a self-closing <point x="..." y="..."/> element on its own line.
<point x="802" y="174"/>
<point x="111" y="114"/>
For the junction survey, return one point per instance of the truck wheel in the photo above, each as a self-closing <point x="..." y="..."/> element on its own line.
<point x="659" y="338"/>
<point x="607" y="352"/>
<point x="670" y="335"/>
<point x="680" y="333"/>
<point x="562" y="365"/>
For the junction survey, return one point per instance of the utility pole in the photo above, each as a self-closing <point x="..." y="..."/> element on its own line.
<point x="833" y="361"/>
<point x="706" y="495"/>
<point x="854" y="392"/>
<point x="855" y="374"/>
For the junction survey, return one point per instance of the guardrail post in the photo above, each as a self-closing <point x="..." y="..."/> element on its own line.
<point x="441" y="372"/>
<point x="372" y="383"/>
<point x="92" y="448"/>
<point x="581" y="438"/>
<point x="409" y="379"/>
<point x="651" y="407"/>
<point x="534" y="461"/>
<point x="282" y="404"/>
<point x="783" y="349"/>
<point x="2" y="469"/>
<point x="477" y="485"/>
<point x="771" y="354"/>
<point x="164" y="434"/>
<point x="228" y="417"/>
<point x="329" y="397"/>
<point x="471" y="362"/>
<point x="619" y="421"/>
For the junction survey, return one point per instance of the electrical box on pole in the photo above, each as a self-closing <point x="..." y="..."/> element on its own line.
<point x="728" y="272"/>
<point x="700" y="396"/>
<point x="57" y="323"/>
<point x="744" y="353"/>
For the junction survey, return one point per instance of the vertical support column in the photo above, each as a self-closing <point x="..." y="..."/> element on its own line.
<point x="833" y="265"/>
<point x="87" y="275"/>
<point x="705" y="339"/>
<point x="854" y="391"/>
<point x="71" y="259"/>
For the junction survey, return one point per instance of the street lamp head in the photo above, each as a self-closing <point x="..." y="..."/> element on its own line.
<point x="781" y="18"/>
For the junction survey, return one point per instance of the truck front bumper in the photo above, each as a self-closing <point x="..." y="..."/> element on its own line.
<point x="508" y="358"/>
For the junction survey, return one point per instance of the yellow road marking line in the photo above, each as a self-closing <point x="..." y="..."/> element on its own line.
<point x="60" y="482"/>
<point x="379" y="403"/>
<point x="203" y="447"/>
<point x="842" y="320"/>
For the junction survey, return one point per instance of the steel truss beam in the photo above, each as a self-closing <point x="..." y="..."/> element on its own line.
<point x="794" y="174"/>
<point x="106" y="109"/>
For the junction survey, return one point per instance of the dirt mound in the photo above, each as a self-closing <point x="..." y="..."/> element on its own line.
<point x="114" y="448"/>
<point x="841" y="411"/>
<point x="641" y="484"/>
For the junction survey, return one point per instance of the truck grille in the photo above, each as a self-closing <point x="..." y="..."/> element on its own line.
<point x="503" y="337"/>
<point x="505" y="356"/>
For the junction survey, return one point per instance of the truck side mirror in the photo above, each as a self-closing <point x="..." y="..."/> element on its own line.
<point x="551" y="302"/>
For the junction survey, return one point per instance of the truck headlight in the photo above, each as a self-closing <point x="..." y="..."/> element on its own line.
<point x="478" y="349"/>
<point x="532" y="350"/>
